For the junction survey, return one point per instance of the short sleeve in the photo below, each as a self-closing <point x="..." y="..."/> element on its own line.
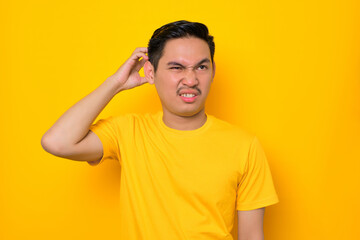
<point x="256" y="188"/>
<point x="105" y="129"/>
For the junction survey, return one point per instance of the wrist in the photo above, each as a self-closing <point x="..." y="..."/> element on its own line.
<point x="113" y="85"/>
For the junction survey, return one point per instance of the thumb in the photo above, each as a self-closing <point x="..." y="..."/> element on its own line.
<point x="143" y="80"/>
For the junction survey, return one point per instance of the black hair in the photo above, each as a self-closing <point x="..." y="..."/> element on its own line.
<point x="179" y="29"/>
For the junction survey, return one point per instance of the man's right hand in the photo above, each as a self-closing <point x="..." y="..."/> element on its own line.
<point x="127" y="76"/>
<point x="70" y="136"/>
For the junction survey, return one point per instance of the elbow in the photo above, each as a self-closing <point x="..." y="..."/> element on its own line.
<point x="51" y="146"/>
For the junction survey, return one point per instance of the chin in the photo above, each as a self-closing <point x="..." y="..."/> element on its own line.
<point x="189" y="113"/>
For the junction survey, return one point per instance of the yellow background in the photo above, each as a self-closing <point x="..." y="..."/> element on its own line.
<point x="286" y="70"/>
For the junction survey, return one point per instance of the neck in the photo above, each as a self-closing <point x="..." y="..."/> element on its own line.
<point x="184" y="122"/>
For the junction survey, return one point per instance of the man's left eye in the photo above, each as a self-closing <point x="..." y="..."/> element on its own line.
<point x="202" y="67"/>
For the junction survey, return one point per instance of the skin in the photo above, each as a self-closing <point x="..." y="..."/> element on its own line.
<point x="250" y="224"/>
<point x="184" y="66"/>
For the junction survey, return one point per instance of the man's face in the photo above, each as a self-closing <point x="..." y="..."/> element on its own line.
<point x="184" y="75"/>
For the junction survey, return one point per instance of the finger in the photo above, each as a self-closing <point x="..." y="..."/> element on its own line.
<point x="140" y="64"/>
<point x="133" y="59"/>
<point x="143" y="80"/>
<point x="141" y="49"/>
<point x="138" y="53"/>
<point x="136" y="56"/>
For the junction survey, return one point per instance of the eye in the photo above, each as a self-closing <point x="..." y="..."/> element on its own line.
<point x="175" y="68"/>
<point x="202" y="67"/>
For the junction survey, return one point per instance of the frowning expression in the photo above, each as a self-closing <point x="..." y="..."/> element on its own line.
<point x="184" y="76"/>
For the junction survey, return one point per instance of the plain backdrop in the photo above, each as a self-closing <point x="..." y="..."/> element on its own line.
<point x="288" y="71"/>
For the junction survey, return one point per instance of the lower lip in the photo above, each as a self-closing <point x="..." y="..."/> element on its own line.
<point x="187" y="99"/>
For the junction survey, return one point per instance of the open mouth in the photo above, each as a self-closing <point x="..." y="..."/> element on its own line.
<point x="188" y="97"/>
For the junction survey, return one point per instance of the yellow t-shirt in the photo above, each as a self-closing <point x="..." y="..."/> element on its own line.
<point x="184" y="184"/>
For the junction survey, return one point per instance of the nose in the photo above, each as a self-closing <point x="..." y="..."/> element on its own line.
<point x="190" y="78"/>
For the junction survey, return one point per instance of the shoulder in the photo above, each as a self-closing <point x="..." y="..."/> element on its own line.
<point x="127" y="120"/>
<point x="232" y="131"/>
<point x="134" y="119"/>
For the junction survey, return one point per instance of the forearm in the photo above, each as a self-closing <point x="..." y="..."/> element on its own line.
<point x="74" y="124"/>
<point x="250" y="224"/>
<point x="258" y="237"/>
<point x="65" y="136"/>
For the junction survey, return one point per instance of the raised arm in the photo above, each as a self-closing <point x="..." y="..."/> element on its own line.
<point x="250" y="224"/>
<point x="70" y="136"/>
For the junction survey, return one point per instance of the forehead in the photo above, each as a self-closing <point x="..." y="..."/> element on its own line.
<point x="187" y="50"/>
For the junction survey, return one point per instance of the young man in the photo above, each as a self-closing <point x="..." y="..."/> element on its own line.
<point x="184" y="173"/>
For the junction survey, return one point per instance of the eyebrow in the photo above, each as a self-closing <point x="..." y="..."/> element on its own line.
<point x="205" y="60"/>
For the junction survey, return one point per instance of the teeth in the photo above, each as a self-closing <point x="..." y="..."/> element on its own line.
<point x="189" y="95"/>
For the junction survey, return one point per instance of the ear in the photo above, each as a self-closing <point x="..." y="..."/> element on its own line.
<point x="213" y="73"/>
<point x="149" y="72"/>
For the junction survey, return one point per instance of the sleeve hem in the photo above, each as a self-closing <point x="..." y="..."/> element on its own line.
<point x="258" y="204"/>
<point x="104" y="152"/>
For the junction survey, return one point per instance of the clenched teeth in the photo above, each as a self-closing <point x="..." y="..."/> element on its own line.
<point x="188" y="95"/>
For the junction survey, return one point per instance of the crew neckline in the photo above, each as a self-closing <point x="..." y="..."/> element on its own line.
<point x="178" y="132"/>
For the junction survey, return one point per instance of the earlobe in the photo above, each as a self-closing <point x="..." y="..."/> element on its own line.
<point x="149" y="72"/>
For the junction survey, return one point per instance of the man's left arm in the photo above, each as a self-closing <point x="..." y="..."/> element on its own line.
<point x="250" y="224"/>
